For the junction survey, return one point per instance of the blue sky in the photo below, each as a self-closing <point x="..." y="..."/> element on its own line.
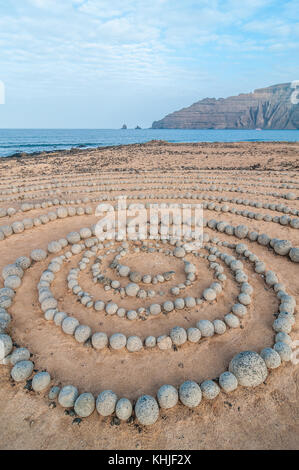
<point x="100" y="63"/>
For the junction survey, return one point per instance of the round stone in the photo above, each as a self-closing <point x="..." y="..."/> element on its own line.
<point x="99" y="305"/>
<point x="193" y="334"/>
<point x="283" y="338"/>
<point x="271" y="358"/>
<point x="209" y="294"/>
<point x="209" y="389"/>
<point x="241" y="231"/>
<point x="167" y="396"/>
<point x="249" y="368"/>
<point x="282" y="247"/>
<point x="106" y="403"/>
<point x="111" y="308"/>
<point x="190" y="394"/>
<point x="19" y="354"/>
<point x="132" y="289"/>
<point x="294" y="255"/>
<point x="179" y="252"/>
<point x="5" y="345"/>
<point x="117" y="341"/>
<point x="155" y="309"/>
<point x="69" y="325"/>
<point x="190" y="302"/>
<point x="123" y="409"/>
<point x="147" y="410"/>
<point x="164" y="342"/>
<point x="239" y="309"/>
<point x="99" y="340"/>
<point x="150" y="342"/>
<point x="124" y="271"/>
<point x="82" y="333"/>
<point x="134" y="344"/>
<point x="282" y="324"/>
<point x="13" y="282"/>
<point x="168" y="306"/>
<point x="244" y="299"/>
<point x="41" y="381"/>
<point x="178" y="335"/>
<point x="179" y="304"/>
<point x="228" y="381"/>
<point x="284" y="350"/>
<point x="84" y="405"/>
<point x="206" y="328"/>
<point x="219" y="327"/>
<point x="68" y="396"/>
<point x="22" y="371"/>
<point x="232" y="320"/>
<point x="38" y="255"/>
<point x="53" y="393"/>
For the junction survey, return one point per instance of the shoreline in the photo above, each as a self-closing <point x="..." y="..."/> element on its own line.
<point x="80" y="150"/>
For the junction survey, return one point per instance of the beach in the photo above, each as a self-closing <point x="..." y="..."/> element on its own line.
<point x="264" y="417"/>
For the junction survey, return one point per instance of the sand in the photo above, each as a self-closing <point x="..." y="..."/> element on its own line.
<point x="266" y="417"/>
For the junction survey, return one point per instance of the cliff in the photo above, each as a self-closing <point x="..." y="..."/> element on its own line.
<point x="265" y="108"/>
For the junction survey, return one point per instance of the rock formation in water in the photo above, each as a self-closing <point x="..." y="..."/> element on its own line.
<point x="274" y="107"/>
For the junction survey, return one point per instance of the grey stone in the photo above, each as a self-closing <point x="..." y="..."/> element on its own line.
<point x="249" y="368"/>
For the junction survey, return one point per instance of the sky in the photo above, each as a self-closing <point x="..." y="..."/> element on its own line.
<point x="102" y="63"/>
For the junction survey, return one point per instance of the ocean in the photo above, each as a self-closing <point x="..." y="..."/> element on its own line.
<point x="14" y="141"/>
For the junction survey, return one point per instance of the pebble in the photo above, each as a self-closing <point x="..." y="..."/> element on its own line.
<point x="178" y="335"/>
<point x="5" y="345"/>
<point x="249" y="368"/>
<point x="67" y="396"/>
<point x="123" y="409"/>
<point x="209" y="389"/>
<point x="117" y="341"/>
<point x="85" y="405"/>
<point x="19" y="354"/>
<point x="22" y="371"/>
<point x="271" y="358"/>
<point x="147" y="410"/>
<point x="190" y="394"/>
<point x="41" y="381"/>
<point x="167" y="396"/>
<point x="106" y="403"/>
<point x="228" y="381"/>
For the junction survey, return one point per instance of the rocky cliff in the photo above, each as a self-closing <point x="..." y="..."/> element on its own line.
<point x="265" y="108"/>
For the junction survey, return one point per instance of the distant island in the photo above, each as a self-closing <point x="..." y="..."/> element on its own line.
<point x="265" y="108"/>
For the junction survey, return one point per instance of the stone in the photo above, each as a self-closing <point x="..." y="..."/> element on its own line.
<point x="106" y="403"/>
<point x="5" y="346"/>
<point x="82" y="333"/>
<point x="239" y="309"/>
<point x="41" y="381"/>
<point x="69" y="325"/>
<point x="134" y="344"/>
<point x="232" y="320"/>
<point x="206" y="328"/>
<point x="209" y="294"/>
<point x="168" y="306"/>
<point x="249" y="368"/>
<point x="284" y="350"/>
<point x="228" y="381"/>
<point x="117" y="341"/>
<point x="147" y="410"/>
<point x="178" y="335"/>
<point x="219" y="327"/>
<point x="68" y="396"/>
<point x="150" y="342"/>
<point x="294" y="255"/>
<point x="167" y="396"/>
<point x="209" y="389"/>
<point x="111" y="308"/>
<point x="123" y="409"/>
<point x="190" y="394"/>
<point x="132" y="289"/>
<point x="164" y="342"/>
<point x="85" y="405"/>
<point x="22" y="370"/>
<point x="53" y="393"/>
<point x="155" y="309"/>
<point x="271" y="358"/>
<point x="193" y="334"/>
<point x="19" y="354"/>
<point x="99" y="340"/>
<point x="38" y="255"/>
<point x="179" y="252"/>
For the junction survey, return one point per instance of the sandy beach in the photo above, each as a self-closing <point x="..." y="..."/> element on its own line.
<point x="265" y="417"/>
